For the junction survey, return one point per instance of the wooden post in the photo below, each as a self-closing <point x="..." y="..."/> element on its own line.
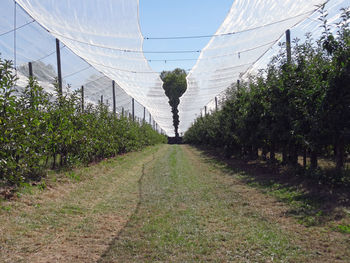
<point x="30" y="66"/>
<point x="238" y="84"/>
<point x="82" y="98"/>
<point x="101" y="99"/>
<point x="205" y="110"/>
<point x="133" y="109"/>
<point x="288" y="46"/>
<point x="59" y="71"/>
<point x="114" y="105"/>
<point x="216" y="104"/>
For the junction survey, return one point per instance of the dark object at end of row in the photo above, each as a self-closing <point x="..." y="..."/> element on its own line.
<point x="174" y="140"/>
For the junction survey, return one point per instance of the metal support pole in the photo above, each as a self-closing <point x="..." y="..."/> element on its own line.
<point x="216" y="104"/>
<point x="144" y="114"/>
<point x="150" y="119"/>
<point x="205" y="110"/>
<point x="288" y="46"/>
<point x="123" y="111"/>
<point x="59" y="70"/>
<point x="15" y="37"/>
<point x="101" y="99"/>
<point x="31" y="88"/>
<point x="238" y="84"/>
<point x="114" y="105"/>
<point x="82" y="98"/>
<point x="133" y="109"/>
<point x="30" y="66"/>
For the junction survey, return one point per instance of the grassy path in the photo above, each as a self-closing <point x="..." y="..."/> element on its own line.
<point x="75" y="219"/>
<point x="192" y="212"/>
<point x="165" y="204"/>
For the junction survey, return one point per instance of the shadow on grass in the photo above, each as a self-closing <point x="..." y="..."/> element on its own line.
<point x="109" y="251"/>
<point x="314" y="197"/>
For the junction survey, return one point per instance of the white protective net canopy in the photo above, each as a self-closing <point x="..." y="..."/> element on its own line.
<point x="250" y="29"/>
<point x="99" y="38"/>
<point x="101" y="41"/>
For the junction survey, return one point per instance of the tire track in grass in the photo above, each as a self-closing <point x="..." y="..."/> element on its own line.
<point x="139" y="182"/>
<point x="188" y="215"/>
<point x="74" y="222"/>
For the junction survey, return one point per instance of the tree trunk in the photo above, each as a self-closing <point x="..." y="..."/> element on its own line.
<point x="293" y="155"/>
<point x="243" y="151"/>
<point x="227" y="152"/>
<point x="272" y="152"/>
<point x="340" y="152"/>
<point x="264" y="153"/>
<point x="313" y="160"/>
<point x="47" y="160"/>
<point x="254" y="153"/>
<point x="304" y="158"/>
<point x="54" y="161"/>
<point x="284" y="155"/>
<point x="61" y="159"/>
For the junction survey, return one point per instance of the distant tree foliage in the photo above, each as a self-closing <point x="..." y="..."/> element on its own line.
<point x="39" y="130"/>
<point x="174" y="85"/>
<point x="301" y="107"/>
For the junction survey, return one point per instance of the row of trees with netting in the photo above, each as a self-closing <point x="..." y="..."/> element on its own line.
<point x="39" y="130"/>
<point x="296" y="106"/>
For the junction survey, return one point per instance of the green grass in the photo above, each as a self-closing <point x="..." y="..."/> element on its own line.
<point x="73" y="176"/>
<point x="187" y="215"/>
<point x="164" y="204"/>
<point x="306" y="210"/>
<point x="344" y="229"/>
<point x="86" y="201"/>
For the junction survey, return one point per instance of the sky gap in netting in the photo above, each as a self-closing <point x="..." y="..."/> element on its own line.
<point x="102" y="41"/>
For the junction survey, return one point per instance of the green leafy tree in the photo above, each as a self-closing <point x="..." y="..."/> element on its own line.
<point x="296" y="106"/>
<point x="337" y="98"/>
<point x="37" y="129"/>
<point x="174" y="86"/>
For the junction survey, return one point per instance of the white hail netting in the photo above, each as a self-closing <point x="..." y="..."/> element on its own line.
<point x="106" y="35"/>
<point x="311" y="25"/>
<point x="258" y="25"/>
<point x="114" y="44"/>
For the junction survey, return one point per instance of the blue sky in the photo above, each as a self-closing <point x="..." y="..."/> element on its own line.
<point x="160" y="18"/>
